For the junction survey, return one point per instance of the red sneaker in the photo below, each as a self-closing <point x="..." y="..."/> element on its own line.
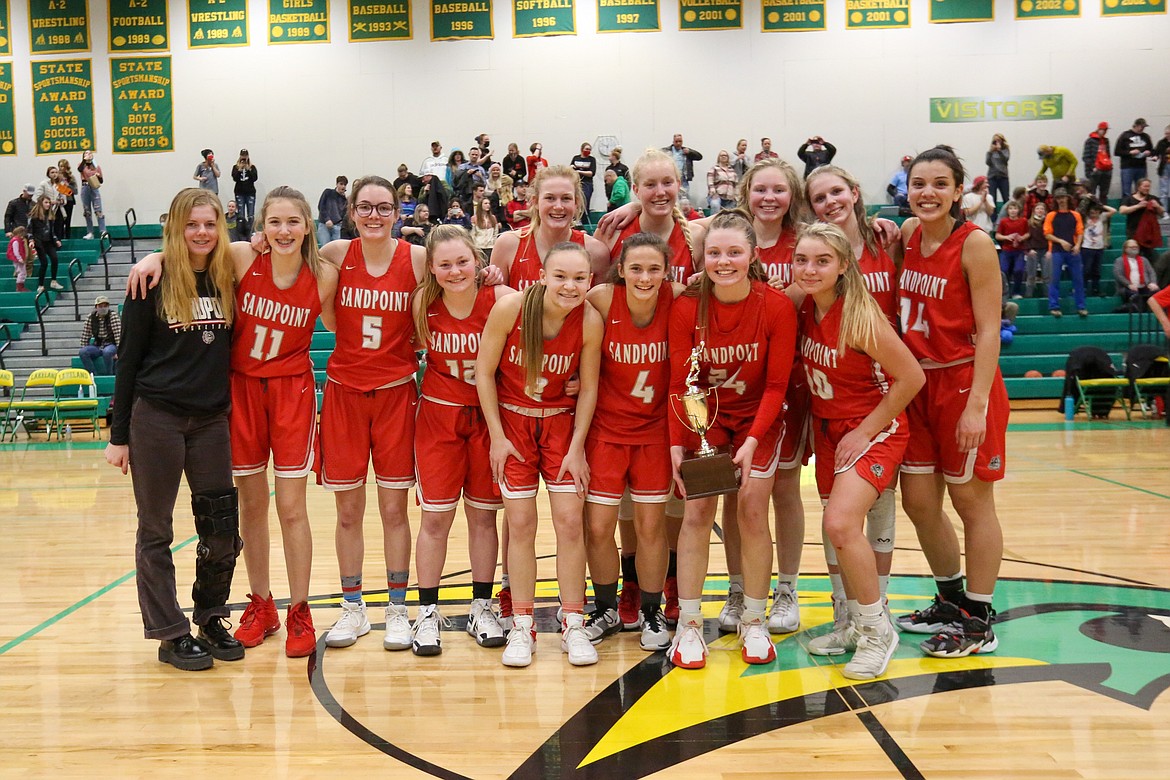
<point x="302" y="637"/>
<point x="630" y="606"/>
<point x="504" y="598"/>
<point x="259" y="620"/>
<point x="670" y="591"/>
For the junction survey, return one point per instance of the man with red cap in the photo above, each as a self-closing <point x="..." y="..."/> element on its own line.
<point x="1098" y="158"/>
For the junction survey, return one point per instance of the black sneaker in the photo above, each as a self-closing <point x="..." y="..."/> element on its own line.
<point x="219" y="641"/>
<point x="185" y="653"/>
<point x="971" y="636"/>
<point x="931" y="620"/>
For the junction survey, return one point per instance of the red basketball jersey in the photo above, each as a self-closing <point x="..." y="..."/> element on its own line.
<point x="273" y="328"/>
<point x="681" y="266"/>
<point x="938" y="323"/>
<point x="451" y="352"/>
<point x="374" y="327"/>
<point x="777" y="259"/>
<point x="561" y="357"/>
<point x="747" y="357"/>
<point x="881" y="277"/>
<point x="635" y="374"/>
<point x="526" y="264"/>
<point x="843" y="385"/>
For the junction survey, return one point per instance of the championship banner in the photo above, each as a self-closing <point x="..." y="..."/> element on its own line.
<point x="946" y="11"/>
<point x="532" y="18"/>
<point x="710" y="15"/>
<point x="1132" y="7"/>
<point x="217" y="23"/>
<point x="379" y="21"/>
<point x="792" y="16"/>
<point x="58" y="26"/>
<point x="62" y="92"/>
<point x="1011" y="108"/>
<point x="627" y="16"/>
<point x="5" y="33"/>
<point x="876" y="14"/>
<point x="1047" y="9"/>
<point x="461" y="21"/>
<point x="298" y="21"/>
<point x="138" y="25"/>
<point x="143" y="105"/>
<point x="7" y="111"/>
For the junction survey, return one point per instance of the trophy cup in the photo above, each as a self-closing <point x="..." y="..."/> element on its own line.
<point x="707" y="471"/>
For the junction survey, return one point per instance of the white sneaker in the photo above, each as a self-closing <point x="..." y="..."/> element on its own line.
<point x="427" y="629"/>
<point x="88" y="236"/>
<point x="655" y="635"/>
<point x="575" y="641"/>
<point x="398" y="630"/>
<point x="521" y="642"/>
<point x="483" y="624"/>
<point x="784" y="616"/>
<point x="842" y="639"/>
<point x="56" y="285"/>
<point x="875" y="647"/>
<point x="352" y="624"/>
<point x="732" y="610"/>
<point x="757" y="647"/>
<point x="602" y="623"/>
<point x="688" y="650"/>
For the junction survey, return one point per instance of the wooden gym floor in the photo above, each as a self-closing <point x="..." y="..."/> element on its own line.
<point x="1077" y="688"/>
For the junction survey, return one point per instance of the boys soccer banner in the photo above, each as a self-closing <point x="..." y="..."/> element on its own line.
<point x="710" y="15"/>
<point x="876" y="14"/>
<point x="298" y="21"/>
<point x="7" y="112"/>
<point x="531" y="18"/>
<point x="58" y="26"/>
<point x="1047" y="9"/>
<point x="63" y="106"/>
<point x="217" y="23"/>
<point x="138" y="25"/>
<point x="5" y="33"/>
<point x="945" y="11"/>
<point x="143" y="105"/>
<point x="792" y="16"/>
<point x="1132" y="7"/>
<point x="379" y="21"/>
<point x="461" y="21"/>
<point x="627" y="16"/>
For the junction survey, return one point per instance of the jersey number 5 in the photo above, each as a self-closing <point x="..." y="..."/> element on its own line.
<point x="261" y="333"/>
<point x="371" y="332"/>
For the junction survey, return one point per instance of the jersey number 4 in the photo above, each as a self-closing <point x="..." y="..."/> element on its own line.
<point x="273" y="337"/>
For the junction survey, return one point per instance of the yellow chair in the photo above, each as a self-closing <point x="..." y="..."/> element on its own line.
<point x="7" y="387"/>
<point x="39" y="404"/>
<point x="1114" y="389"/>
<point x="75" y="398"/>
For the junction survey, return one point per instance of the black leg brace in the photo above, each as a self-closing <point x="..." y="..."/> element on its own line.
<point x="217" y="521"/>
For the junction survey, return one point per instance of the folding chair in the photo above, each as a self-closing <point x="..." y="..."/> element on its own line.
<point x="1089" y="389"/>
<point x="7" y="387"/>
<point x="75" y="398"/>
<point x="30" y="407"/>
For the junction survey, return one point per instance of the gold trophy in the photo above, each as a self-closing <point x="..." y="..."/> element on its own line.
<point x="707" y="471"/>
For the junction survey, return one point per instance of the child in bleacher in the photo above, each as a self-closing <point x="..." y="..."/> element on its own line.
<point x="1038" y="261"/>
<point x="1012" y="232"/>
<point x="18" y="254"/>
<point x="1093" y="246"/>
<point x="1134" y="276"/>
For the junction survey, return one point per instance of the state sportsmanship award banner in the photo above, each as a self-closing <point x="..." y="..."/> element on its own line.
<point x="1047" y="9"/>
<point x="217" y="23"/>
<point x="627" y="16"/>
<point x="465" y="20"/>
<point x="379" y="21"/>
<point x="62" y="93"/>
<point x="876" y="14"/>
<point x="532" y="18"/>
<point x="7" y="112"/>
<point x="298" y="21"/>
<point x="138" y="25"/>
<point x="5" y="32"/>
<point x="945" y="11"/>
<point x="58" y="26"/>
<point x="792" y="16"/>
<point x="1132" y="7"/>
<point x="143" y="105"/>
<point x="710" y="15"/>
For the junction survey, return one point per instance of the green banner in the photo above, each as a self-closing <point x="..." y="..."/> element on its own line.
<point x="58" y="26"/>
<point x="1047" y="9"/>
<point x="792" y="16"/>
<point x="945" y="11"/>
<point x="627" y="16"/>
<point x="461" y="21"/>
<point x="543" y="17"/>
<point x="876" y="14"/>
<point x="143" y="105"/>
<point x="217" y="23"/>
<point x="298" y="21"/>
<point x="7" y="112"/>
<point x="62" y="93"/>
<point x="139" y="25"/>
<point x="710" y="14"/>
<point x="5" y="33"/>
<point x="379" y="21"/>
<point x="1132" y="7"/>
<point x="1011" y="108"/>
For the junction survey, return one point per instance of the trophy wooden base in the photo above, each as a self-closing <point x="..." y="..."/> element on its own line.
<point x="712" y="475"/>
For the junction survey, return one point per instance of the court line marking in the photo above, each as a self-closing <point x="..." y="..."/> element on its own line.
<point x="1120" y="484"/>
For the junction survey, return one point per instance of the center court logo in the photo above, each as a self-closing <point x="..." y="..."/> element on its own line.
<point x="1112" y="640"/>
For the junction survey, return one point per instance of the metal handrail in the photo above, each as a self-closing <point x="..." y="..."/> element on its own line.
<point x="131" y="214"/>
<point x="73" y="283"/>
<point x="7" y="342"/>
<point x="106" y="243"/>
<point x="41" y="318"/>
